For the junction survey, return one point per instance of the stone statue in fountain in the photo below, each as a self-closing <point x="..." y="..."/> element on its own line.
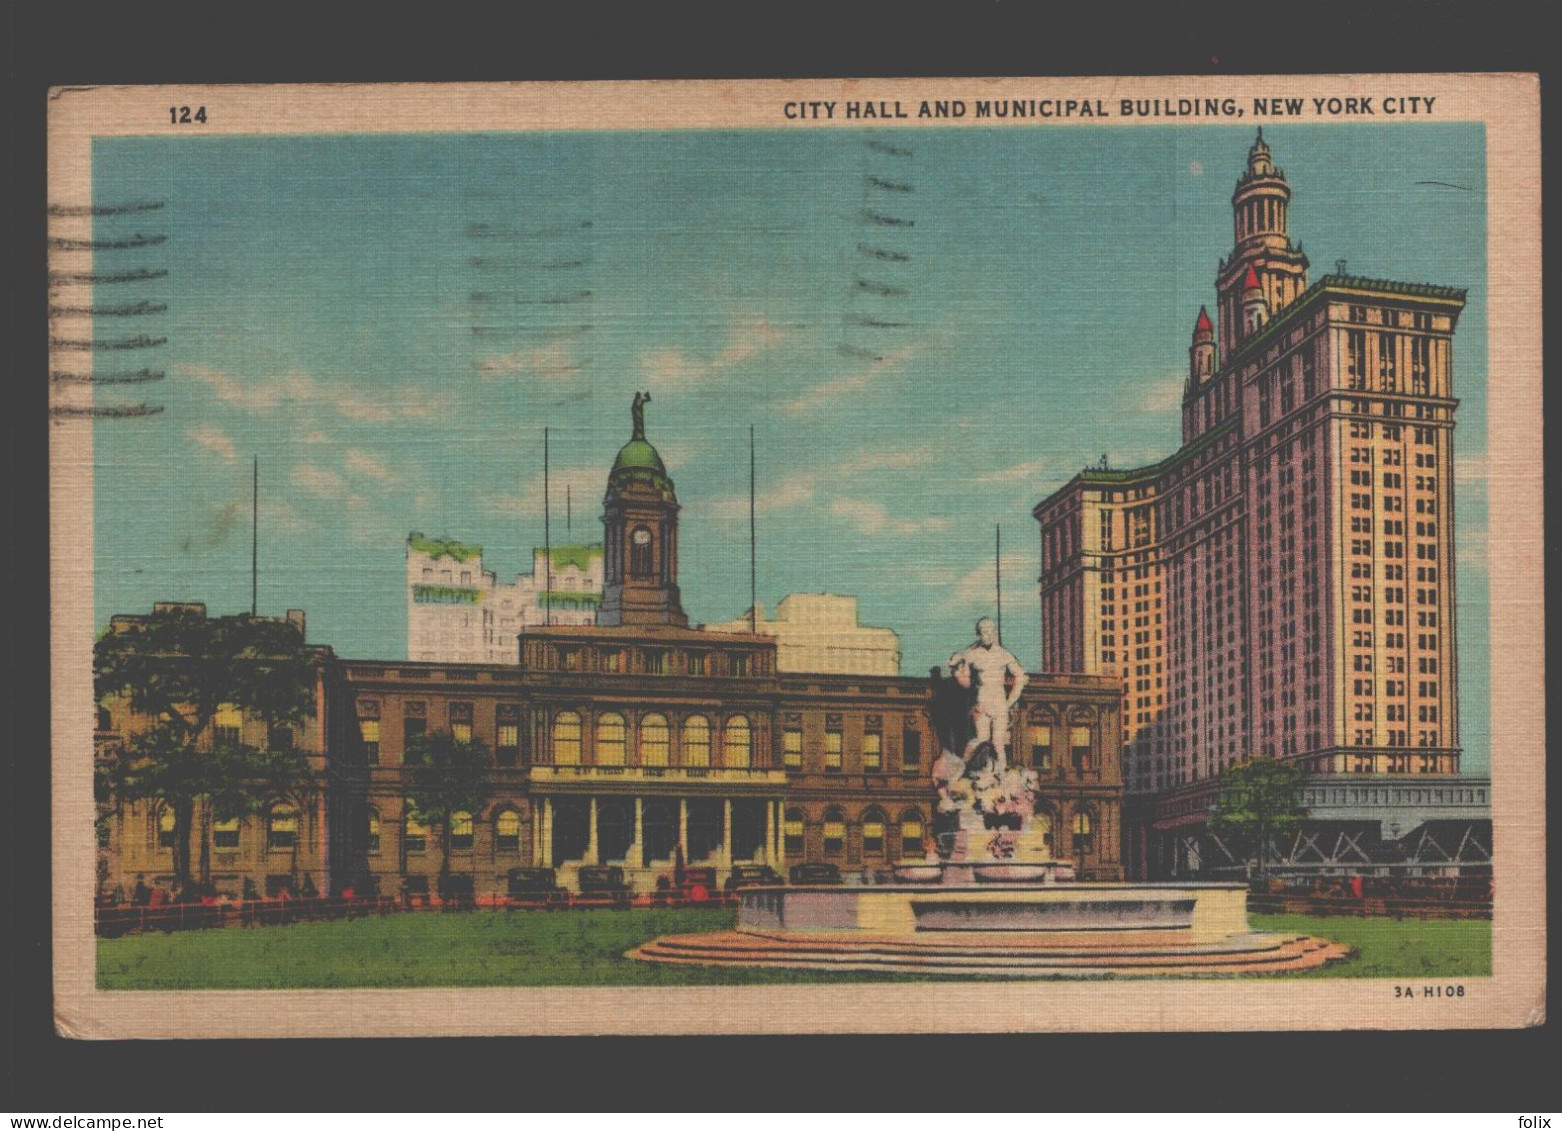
<point x="985" y="806"/>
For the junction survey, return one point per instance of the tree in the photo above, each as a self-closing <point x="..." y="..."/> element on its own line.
<point x="176" y="668"/>
<point x="446" y="775"/>
<point x="1257" y="801"/>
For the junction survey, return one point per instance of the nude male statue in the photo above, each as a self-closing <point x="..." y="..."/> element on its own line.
<point x="987" y="666"/>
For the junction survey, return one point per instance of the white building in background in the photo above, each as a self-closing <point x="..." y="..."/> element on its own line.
<point x="458" y="613"/>
<point x="818" y="632"/>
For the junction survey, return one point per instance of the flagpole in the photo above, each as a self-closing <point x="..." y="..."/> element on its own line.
<point x="753" y="563"/>
<point x="998" y="573"/>
<point x="547" y="540"/>
<point x="254" y="542"/>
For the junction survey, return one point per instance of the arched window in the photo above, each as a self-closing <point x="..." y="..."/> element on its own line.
<point x="282" y="826"/>
<point x="696" y="741"/>
<point x="461" y="833"/>
<point x="873" y="833"/>
<point x="834" y="831"/>
<point x="1079" y="747"/>
<point x="507" y="831"/>
<point x="1084" y="827"/>
<point x="566" y="738"/>
<point x="225" y="833"/>
<point x="640" y="552"/>
<point x="655" y="740"/>
<point x="1040" y="724"/>
<point x="166" y="828"/>
<point x="738" y="745"/>
<point x="1042" y="823"/>
<point x="610" y="739"/>
<point x="374" y="832"/>
<point x="792" y="830"/>
<point x="911" y="834"/>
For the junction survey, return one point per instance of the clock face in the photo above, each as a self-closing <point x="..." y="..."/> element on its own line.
<point x="642" y="537"/>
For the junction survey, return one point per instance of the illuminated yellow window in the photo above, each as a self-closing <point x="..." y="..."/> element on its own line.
<point x="461" y="835"/>
<point x="911" y="836"/>
<point x="507" y="831"/>
<point x="227" y="723"/>
<point x="566" y="738"/>
<point x="792" y="747"/>
<point x="834" y="831"/>
<point x="655" y="740"/>
<point x="610" y="740"/>
<point x="1041" y="746"/>
<point x="509" y="736"/>
<point x="872" y="751"/>
<point x="374" y="833"/>
<point x="461" y="731"/>
<point x="225" y="833"/>
<point x="369" y="732"/>
<point x="738" y="747"/>
<point x="1082" y="830"/>
<point x="873" y="835"/>
<point x="696" y="741"/>
<point x="792" y="829"/>
<point x="166" y="824"/>
<point x="832" y="750"/>
<point x="282" y="827"/>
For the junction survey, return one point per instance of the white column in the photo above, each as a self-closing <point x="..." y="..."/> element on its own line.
<point x="591" y="835"/>
<point x="683" y="827"/>
<point x="724" y="858"/>
<point x="545" y="849"/>
<point x="637" y="854"/>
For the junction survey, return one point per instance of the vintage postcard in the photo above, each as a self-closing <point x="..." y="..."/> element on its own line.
<point x="766" y="557"/>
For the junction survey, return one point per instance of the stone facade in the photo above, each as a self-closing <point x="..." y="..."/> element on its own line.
<point x="1283" y="584"/>
<point x="818" y="632"/>
<point x="458" y="612"/>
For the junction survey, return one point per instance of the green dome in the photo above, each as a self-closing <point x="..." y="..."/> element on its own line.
<point x="638" y="460"/>
<point x="638" y="455"/>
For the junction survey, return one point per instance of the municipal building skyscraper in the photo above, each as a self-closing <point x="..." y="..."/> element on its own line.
<point x="1282" y="584"/>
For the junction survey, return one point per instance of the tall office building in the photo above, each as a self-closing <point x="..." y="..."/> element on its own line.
<point x="1283" y="584"/>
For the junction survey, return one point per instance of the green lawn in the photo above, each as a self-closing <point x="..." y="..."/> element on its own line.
<point x="1394" y="948"/>
<point x="586" y="948"/>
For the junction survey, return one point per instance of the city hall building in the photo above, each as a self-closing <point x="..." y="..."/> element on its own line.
<point x="1283" y="584"/>
<point x="637" y="739"/>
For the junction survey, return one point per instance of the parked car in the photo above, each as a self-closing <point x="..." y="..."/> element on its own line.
<point x="538" y="887"/>
<point x="604" y="882"/>
<point x="815" y="874"/>
<point x="752" y="875"/>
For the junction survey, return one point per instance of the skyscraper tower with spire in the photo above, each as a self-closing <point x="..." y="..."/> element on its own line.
<point x="1282" y="585"/>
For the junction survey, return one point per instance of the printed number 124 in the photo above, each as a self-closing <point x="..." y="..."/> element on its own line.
<point x="182" y="116"/>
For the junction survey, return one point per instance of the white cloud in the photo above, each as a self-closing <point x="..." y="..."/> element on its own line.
<point x="745" y="341"/>
<point x="582" y="485"/>
<point x="281" y="515"/>
<point x="321" y="482"/>
<point x="898" y="460"/>
<point x="316" y="437"/>
<point x="1162" y="395"/>
<point x="214" y="440"/>
<point x="298" y="387"/>
<point x="370" y="467"/>
<point x="816" y="398"/>
<point x="868" y="516"/>
<point x="552" y="360"/>
<point x="978" y="588"/>
<point x="1020" y="473"/>
<point x="790" y="492"/>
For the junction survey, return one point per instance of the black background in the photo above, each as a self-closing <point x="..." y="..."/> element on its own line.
<point x="193" y="42"/>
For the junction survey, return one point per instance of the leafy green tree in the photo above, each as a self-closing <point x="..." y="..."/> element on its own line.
<point x="446" y="775"/>
<point x="176" y="668"/>
<point x="1257" y="802"/>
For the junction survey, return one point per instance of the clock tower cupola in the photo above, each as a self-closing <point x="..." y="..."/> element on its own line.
<point x="640" y="536"/>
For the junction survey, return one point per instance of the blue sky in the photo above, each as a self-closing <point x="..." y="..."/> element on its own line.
<point x="389" y="322"/>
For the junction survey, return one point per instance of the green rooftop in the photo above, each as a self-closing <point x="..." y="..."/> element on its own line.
<point x="578" y="555"/>
<point x="444" y="548"/>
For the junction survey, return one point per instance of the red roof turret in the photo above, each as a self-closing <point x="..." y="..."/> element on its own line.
<point x="1250" y="282"/>
<point x="1203" y="327"/>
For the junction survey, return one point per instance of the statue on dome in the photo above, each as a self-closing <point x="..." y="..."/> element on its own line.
<point x="637" y="414"/>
